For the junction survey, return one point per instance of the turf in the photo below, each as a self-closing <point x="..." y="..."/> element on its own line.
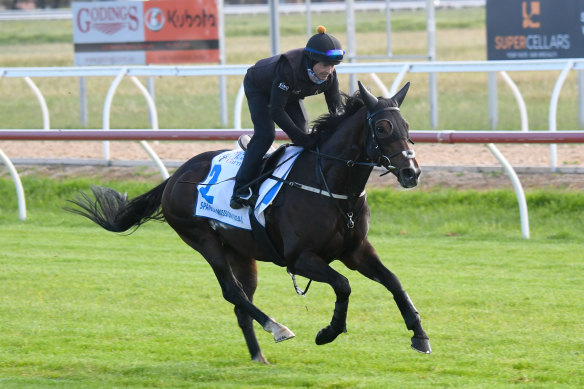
<point x="84" y="308"/>
<point x="81" y="307"/>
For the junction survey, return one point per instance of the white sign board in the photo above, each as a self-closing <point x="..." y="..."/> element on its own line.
<point x="137" y="33"/>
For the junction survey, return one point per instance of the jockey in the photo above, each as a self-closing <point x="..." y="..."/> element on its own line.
<point x="275" y="88"/>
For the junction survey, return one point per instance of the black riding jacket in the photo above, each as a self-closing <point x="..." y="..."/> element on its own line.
<point x="284" y="79"/>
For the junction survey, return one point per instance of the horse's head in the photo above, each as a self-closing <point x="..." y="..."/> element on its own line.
<point x="388" y="136"/>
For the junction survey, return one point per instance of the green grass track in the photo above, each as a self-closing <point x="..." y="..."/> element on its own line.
<point x="84" y="308"/>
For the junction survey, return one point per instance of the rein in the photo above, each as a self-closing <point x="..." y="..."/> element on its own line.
<point x="350" y="163"/>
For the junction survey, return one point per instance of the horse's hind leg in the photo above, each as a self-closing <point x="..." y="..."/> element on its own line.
<point x="210" y="247"/>
<point x="245" y="271"/>
<point x="367" y="262"/>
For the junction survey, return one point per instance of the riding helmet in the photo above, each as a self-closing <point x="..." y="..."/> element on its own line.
<point x="323" y="47"/>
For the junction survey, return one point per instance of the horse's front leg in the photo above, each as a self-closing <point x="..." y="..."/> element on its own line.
<point x="366" y="261"/>
<point x="315" y="268"/>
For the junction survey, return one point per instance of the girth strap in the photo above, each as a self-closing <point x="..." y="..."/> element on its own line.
<point x="261" y="236"/>
<point x="312" y="189"/>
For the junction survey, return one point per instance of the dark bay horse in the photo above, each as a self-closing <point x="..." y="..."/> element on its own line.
<point x="309" y="230"/>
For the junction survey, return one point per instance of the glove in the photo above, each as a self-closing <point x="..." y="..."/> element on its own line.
<point x="308" y="141"/>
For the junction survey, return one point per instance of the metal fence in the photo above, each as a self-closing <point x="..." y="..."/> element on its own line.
<point x="400" y="70"/>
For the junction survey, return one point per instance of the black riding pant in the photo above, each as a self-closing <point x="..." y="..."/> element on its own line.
<point x="264" y="131"/>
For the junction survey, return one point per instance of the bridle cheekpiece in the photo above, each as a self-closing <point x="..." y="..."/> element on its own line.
<point x="380" y="158"/>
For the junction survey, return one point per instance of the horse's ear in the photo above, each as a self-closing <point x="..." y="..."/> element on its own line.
<point x="401" y="95"/>
<point x="368" y="98"/>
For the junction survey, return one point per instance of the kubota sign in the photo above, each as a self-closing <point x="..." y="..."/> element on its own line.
<point x="151" y="32"/>
<point x="535" y="29"/>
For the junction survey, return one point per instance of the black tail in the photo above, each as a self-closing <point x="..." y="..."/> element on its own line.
<point x="114" y="212"/>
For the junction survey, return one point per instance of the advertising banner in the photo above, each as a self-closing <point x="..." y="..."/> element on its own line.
<point x="151" y="32"/>
<point x="535" y="29"/>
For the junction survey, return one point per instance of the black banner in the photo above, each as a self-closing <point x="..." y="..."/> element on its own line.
<point x="535" y="29"/>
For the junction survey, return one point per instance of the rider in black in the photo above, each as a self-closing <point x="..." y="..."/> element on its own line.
<point x="275" y="88"/>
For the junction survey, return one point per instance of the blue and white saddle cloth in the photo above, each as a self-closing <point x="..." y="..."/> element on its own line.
<point x="215" y="192"/>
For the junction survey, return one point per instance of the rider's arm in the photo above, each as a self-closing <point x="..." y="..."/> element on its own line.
<point x="332" y="95"/>
<point x="281" y="90"/>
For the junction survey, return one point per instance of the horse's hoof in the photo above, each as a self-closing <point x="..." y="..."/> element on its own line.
<point x="421" y="345"/>
<point x="283" y="333"/>
<point x="327" y="335"/>
<point x="260" y="359"/>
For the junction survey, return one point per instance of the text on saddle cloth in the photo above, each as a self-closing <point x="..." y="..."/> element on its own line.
<point x="215" y="192"/>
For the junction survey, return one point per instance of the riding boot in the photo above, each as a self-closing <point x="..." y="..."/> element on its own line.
<point x="242" y="192"/>
<point x="250" y="168"/>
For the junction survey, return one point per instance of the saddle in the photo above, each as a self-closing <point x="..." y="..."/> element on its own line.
<point x="243" y="141"/>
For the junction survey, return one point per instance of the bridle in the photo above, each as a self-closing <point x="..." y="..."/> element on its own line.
<point x="408" y="154"/>
<point x="378" y="160"/>
<point x="382" y="159"/>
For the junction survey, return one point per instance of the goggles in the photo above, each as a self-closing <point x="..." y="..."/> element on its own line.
<point x="335" y="54"/>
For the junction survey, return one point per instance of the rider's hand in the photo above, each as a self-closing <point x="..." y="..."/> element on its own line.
<point x="309" y="141"/>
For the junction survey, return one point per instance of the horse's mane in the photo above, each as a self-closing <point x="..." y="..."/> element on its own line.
<point x="327" y="124"/>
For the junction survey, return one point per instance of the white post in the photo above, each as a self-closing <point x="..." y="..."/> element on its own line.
<point x="554" y="111"/>
<point x="83" y="115"/>
<point x="388" y="28"/>
<point x="153" y="114"/>
<point x="237" y="108"/>
<point x="351" y="45"/>
<point x="42" y="102"/>
<point x="17" y="185"/>
<point x="432" y="77"/>
<point x="493" y="102"/>
<point x="523" y="214"/>
<point x="274" y="27"/>
<point x="308" y="20"/>
<point x="581" y="98"/>
<point x="519" y="99"/>
<point x="107" y="106"/>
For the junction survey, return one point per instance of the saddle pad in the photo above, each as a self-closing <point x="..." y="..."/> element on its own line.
<point x="215" y="192"/>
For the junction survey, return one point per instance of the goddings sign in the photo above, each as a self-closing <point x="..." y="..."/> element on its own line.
<point x="134" y="32"/>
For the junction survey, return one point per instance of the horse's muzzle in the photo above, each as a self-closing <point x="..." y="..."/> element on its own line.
<point x="408" y="170"/>
<point x="408" y="176"/>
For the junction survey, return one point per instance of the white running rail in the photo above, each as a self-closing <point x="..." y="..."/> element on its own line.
<point x="400" y="69"/>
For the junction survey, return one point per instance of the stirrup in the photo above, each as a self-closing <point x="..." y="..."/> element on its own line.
<point x="239" y="201"/>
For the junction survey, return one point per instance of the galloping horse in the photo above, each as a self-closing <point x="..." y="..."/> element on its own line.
<point x="308" y="229"/>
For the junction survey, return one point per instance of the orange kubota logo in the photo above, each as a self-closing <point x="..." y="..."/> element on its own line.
<point x="534" y="10"/>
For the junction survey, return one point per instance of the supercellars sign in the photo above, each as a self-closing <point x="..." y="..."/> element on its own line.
<point x="151" y="32"/>
<point x="535" y="29"/>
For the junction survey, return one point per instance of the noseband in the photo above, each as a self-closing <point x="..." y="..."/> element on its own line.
<point x="408" y="154"/>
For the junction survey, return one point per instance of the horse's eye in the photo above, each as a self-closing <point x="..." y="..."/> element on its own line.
<point x="384" y="127"/>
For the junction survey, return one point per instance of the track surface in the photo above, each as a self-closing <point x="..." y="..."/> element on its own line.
<point x="458" y="166"/>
